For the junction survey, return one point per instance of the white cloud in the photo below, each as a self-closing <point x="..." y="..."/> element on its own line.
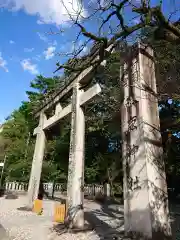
<point x="49" y="53"/>
<point x="3" y="63"/>
<point x="40" y="22"/>
<point x="28" y="49"/>
<point x="45" y="39"/>
<point x="42" y="37"/>
<point x="48" y="11"/>
<point x="11" y="42"/>
<point x="28" y="66"/>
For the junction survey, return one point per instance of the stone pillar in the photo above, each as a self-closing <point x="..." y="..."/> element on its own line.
<point x="34" y="181"/>
<point x="13" y="186"/>
<point x="107" y="190"/>
<point x="75" y="194"/>
<point x="50" y="189"/>
<point x="145" y="191"/>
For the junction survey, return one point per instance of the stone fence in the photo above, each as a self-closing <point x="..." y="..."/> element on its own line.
<point x="60" y="188"/>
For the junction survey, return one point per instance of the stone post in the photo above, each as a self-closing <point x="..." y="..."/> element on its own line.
<point x="13" y="186"/>
<point x="107" y="190"/>
<point x="50" y="189"/>
<point x="34" y="181"/>
<point x="75" y="194"/>
<point x="145" y="192"/>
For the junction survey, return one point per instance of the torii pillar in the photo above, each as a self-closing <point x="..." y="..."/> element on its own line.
<point x="75" y="188"/>
<point x="36" y="169"/>
<point x="35" y="176"/>
<point x="75" y="192"/>
<point x="146" y="211"/>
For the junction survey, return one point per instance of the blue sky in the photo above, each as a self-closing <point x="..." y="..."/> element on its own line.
<point x="27" y="48"/>
<point x="22" y="47"/>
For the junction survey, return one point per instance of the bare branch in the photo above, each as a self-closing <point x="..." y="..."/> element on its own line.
<point x="147" y="16"/>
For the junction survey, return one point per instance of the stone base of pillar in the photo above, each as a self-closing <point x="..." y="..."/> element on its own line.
<point x="75" y="218"/>
<point x="28" y="207"/>
<point x="78" y="221"/>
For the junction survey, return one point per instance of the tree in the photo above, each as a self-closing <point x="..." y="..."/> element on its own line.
<point x="167" y="67"/>
<point x="103" y="150"/>
<point x="15" y="133"/>
<point x="17" y="140"/>
<point x="115" y="22"/>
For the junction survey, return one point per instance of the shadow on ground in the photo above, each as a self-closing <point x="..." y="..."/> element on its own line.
<point x="61" y="229"/>
<point x="102" y="228"/>
<point x="101" y="220"/>
<point x="11" y="195"/>
<point x="106" y="221"/>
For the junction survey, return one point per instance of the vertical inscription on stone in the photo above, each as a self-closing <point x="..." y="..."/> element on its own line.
<point x="145" y="191"/>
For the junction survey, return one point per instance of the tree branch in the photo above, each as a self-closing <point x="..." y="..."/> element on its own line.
<point x="150" y="16"/>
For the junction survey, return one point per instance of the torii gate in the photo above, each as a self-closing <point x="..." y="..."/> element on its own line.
<point x="76" y="155"/>
<point x="145" y="191"/>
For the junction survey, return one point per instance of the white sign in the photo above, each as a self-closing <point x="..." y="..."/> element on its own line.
<point x="1" y="164"/>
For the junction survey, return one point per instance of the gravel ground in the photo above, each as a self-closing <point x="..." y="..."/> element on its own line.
<point x="107" y="222"/>
<point x="22" y="225"/>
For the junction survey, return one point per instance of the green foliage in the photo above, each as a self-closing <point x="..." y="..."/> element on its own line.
<point x="15" y="133"/>
<point x="17" y="140"/>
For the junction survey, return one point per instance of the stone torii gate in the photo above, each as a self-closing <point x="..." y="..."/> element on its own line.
<point x="76" y="155"/>
<point x="145" y="192"/>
